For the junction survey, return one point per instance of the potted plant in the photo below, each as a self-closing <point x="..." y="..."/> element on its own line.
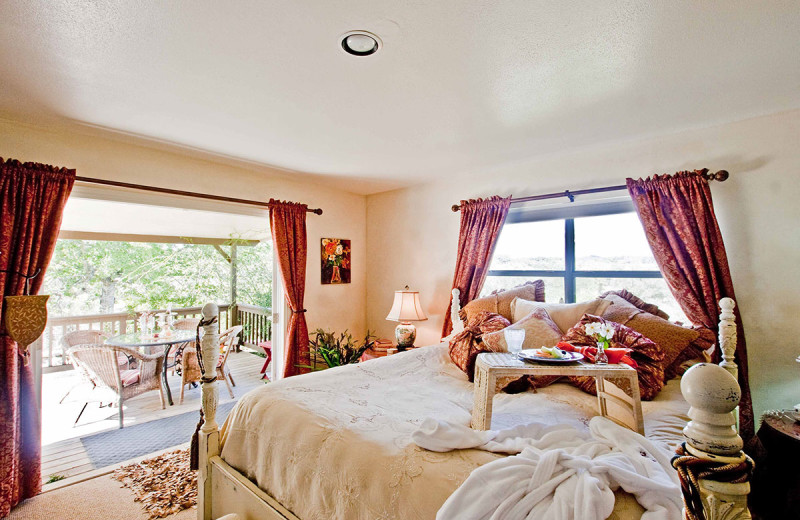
<point x="337" y="350"/>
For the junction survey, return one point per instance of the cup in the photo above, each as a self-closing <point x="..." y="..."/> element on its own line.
<point x="514" y="339"/>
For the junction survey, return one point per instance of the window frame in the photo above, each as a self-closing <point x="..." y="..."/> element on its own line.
<point x="570" y="274"/>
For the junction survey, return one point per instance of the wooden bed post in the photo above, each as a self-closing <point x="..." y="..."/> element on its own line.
<point x="209" y="432"/>
<point x="728" y="336"/>
<point x="713" y="393"/>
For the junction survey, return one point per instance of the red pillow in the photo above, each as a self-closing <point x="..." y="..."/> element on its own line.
<point x="644" y="351"/>
<point x="467" y="344"/>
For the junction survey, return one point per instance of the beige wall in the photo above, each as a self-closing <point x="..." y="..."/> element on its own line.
<point x="412" y="234"/>
<point x="334" y="307"/>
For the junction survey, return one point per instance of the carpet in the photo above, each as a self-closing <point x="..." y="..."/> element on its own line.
<point x="164" y="485"/>
<point x="100" y="498"/>
<point x="115" y="446"/>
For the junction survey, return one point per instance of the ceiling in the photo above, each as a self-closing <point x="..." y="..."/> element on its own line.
<point x="458" y="86"/>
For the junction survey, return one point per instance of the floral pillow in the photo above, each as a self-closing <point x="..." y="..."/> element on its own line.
<point x="645" y="352"/>
<point x="467" y="344"/>
<point x="500" y="301"/>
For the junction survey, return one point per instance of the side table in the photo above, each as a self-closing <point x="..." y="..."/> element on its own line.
<point x="395" y="350"/>
<point x="776" y="481"/>
<point x="492" y="365"/>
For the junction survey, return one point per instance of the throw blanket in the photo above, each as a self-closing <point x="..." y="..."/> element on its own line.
<point x="558" y="472"/>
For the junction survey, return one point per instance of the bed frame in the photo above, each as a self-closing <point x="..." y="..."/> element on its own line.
<point x="711" y="434"/>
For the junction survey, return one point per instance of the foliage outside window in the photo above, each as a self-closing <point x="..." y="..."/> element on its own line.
<point x="101" y="277"/>
<point x="579" y="258"/>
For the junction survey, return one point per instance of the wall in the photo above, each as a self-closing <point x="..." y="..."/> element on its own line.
<point x="412" y="234"/>
<point x="330" y="306"/>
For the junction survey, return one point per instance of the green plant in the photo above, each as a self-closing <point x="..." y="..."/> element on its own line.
<point x="339" y="350"/>
<point x="55" y="478"/>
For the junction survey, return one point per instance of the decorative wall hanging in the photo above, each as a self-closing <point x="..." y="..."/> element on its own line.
<point x="335" y="261"/>
<point x="26" y="318"/>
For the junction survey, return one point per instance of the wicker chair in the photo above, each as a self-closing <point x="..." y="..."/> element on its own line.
<point x="190" y="369"/>
<point x="99" y="364"/>
<point x="88" y="337"/>
<point x="176" y="350"/>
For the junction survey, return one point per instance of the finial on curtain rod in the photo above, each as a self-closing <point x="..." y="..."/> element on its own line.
<point x="721" y="175"/>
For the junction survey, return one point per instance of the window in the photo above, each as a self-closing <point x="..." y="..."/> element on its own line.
<point x="579" y="255"/>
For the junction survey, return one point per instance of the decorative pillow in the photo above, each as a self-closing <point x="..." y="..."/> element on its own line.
<point x="645" y="352"/>
<point x="499" y="302"/>
<point x="540" y="331"/>
<point x="678" y="343"/>
<point x="565" y="315"/>
<point x="466" y="345"/>
<point x="637" y="302"/>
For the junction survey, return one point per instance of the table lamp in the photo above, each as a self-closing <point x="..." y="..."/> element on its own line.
<point x="405" y="309"/>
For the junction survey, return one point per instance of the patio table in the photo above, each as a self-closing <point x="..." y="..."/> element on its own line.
<point x="141" y="340"/>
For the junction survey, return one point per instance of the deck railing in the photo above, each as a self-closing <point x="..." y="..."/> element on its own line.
<point x="256" y="324"/>
<point x="112" y="324"/>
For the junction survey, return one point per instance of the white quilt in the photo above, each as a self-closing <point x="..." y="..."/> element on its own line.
<point x="559" y="472"/>
<point x="337" y="444"/>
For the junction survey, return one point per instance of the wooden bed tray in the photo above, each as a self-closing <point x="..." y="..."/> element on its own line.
<point x="710" y="434"/>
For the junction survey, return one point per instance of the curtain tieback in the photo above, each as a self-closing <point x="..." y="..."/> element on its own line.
<point x="298" y="312"/>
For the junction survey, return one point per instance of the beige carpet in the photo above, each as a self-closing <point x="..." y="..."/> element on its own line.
<point x="100" y="498"/>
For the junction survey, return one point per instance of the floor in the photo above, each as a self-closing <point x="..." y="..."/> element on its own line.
<point x="100" y="498"/>
<point x="63" y="454"/>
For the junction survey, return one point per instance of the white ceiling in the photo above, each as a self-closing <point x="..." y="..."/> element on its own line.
<point x="458" y="85"/>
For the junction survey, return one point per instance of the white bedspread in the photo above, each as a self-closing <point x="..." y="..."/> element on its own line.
<point x="337" y="444"/>
<point x="559" y="472"/>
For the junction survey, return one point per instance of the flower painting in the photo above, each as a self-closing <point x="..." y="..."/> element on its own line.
<point x="335" y="261"/>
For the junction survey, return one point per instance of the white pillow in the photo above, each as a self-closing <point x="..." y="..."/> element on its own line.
<point x="565" y="315"/>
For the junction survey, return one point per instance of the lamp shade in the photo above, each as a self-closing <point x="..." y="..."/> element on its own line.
<point x="406" y="307"/>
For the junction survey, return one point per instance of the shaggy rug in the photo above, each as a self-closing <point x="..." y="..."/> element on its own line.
<point x="163" y="485"/>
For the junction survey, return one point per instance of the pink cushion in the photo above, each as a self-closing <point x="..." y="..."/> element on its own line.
<point x="129" y="377"/>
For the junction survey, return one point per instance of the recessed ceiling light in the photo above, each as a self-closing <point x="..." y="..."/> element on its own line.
<point x="360" y="43"/>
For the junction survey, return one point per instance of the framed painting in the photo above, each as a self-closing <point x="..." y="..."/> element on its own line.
<point x="335" y="261"/>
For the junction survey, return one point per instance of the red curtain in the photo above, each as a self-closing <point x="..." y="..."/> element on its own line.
<point x="32" y="198"/>
<point x="481" y="222"/>
<point x="678" y="218"/>
<point x="288" y="226"/>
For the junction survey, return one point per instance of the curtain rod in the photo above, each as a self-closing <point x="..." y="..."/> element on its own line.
<point x="169" y="191"/>
<point x="720" y="176"/>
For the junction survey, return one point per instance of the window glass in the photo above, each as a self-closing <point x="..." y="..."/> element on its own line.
<point x="651" y="290"/>
<point x="612" y="243"/>
<point x="553" y="286"/>
<point x="530" y="246"/>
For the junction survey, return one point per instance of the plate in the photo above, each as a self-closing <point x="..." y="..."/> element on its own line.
<point x="534" y="354"/>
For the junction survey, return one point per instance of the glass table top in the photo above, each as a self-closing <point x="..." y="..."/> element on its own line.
<point x="139" y="339"/>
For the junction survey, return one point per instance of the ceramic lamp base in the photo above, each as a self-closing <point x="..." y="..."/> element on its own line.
<point x="405" y="334"/>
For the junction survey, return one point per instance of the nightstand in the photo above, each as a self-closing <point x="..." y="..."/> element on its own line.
<point x="394" y="350"/>
<point x="776" y="483"/>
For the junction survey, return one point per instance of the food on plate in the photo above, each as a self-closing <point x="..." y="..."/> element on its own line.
<point x="552" y="352"/>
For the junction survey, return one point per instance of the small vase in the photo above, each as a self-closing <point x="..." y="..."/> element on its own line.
<point x="336" y="277"/>
<point x="602" y="358"/>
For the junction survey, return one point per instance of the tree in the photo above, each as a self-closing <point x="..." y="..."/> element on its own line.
<point x="89" y="277"/>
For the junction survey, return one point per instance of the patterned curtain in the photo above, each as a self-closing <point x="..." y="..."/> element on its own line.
<point x="678" y="218"/>
<point x="32" y="198"/>
<point x="481" y="222"/>
<point x="288" y="226"/>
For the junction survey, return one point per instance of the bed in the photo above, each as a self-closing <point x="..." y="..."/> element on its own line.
<point x="337" y="444"/>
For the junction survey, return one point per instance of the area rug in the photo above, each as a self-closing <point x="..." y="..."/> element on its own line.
<point x="115" y="446"/>
<point x="163" y="485"/>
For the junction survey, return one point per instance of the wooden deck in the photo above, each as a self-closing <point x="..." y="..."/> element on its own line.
<point x="62" y="451"/>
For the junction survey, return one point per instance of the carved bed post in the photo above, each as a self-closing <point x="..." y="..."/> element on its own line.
<point x="209" y="432"/>
<point x="728" y="336"/>
<point x="455" y="311"/>
<point x="711" y="437"/>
